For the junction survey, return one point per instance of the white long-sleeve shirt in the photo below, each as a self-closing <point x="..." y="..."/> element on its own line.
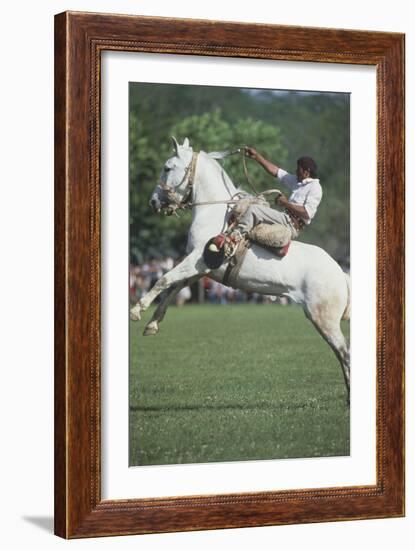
<point x="307" y="193"/>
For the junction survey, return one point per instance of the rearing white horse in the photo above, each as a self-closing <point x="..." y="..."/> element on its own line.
<point x="307" y="274"/>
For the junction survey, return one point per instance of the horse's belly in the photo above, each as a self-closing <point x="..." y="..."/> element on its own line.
<point x="263" y="276"/>
<point x="260" y="272"/>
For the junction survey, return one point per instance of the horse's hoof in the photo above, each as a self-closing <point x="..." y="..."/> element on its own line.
<point x="151" y="329"/>
<point x="135" y="313"/>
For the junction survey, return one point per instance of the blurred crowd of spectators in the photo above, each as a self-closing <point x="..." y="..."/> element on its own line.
<point x="144" y="276"/>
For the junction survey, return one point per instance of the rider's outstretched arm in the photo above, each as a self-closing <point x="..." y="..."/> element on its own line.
<point x="269" y="166"/>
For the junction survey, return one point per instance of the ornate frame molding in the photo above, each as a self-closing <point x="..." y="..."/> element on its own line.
<point x="79" y="40"/>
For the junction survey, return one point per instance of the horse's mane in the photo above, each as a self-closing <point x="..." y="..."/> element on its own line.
<point x="220" y="155"/>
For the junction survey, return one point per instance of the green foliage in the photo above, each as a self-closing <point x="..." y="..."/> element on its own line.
<point x="282" y="126"/>
<point x="239" y="398"/>
<point x="211" y="132"/>
<point x="150" y="235"/>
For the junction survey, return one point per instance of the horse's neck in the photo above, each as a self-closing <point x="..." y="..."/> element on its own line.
<point x="211" y="184"/>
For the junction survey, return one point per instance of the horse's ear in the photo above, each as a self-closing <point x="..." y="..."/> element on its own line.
<point x="186" y="142"/>
<point x="175" y="145"/>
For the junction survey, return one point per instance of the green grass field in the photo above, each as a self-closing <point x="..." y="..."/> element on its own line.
<point x="237" y="382"/>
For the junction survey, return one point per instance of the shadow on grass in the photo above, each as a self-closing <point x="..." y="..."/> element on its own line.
<point x="232" y="407"/>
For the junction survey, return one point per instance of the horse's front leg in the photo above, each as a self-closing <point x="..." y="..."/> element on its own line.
<point x="152" y="326"/>
<point x="192" y="265"/>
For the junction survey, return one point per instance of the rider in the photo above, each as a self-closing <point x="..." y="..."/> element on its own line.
<point x="299" y="209"/>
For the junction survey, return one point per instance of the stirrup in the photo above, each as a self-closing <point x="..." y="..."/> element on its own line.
<point x="221" y="247"/>
<point x="231" y="242"/>
<point x="217" y="243"/>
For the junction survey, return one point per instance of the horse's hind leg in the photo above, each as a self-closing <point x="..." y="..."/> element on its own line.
<point x="328" y="325"/>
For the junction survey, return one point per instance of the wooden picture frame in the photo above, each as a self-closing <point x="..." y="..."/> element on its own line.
<point x="79" y="40"/>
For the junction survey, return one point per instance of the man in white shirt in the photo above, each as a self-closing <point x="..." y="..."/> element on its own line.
<point x="272" y="228"/>
<point x="299" y="209"/>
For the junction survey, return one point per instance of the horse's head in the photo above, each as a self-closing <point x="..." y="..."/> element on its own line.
<point x="174" y="186"/>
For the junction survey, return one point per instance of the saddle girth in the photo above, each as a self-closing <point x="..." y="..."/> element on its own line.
<point x="233" y="268"/>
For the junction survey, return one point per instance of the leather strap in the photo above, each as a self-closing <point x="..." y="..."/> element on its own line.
<point x="233" y="268"/>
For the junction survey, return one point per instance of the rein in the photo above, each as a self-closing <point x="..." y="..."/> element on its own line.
<point x="232" y="200"/>
<point x="221" y="155"/>
<point x="183" y="204"/>
<point x="224" y="154"/>
<point x="246" y="173"/>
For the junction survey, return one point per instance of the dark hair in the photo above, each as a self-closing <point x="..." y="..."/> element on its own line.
<point x="307" y="163"/>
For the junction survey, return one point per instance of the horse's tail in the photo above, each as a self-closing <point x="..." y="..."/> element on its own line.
<point x="346" y="314"/>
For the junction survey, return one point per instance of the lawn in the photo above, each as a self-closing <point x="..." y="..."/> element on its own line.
<point x="236" y="382"/>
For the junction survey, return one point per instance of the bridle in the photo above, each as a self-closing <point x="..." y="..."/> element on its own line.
<point x="177" y="202"/>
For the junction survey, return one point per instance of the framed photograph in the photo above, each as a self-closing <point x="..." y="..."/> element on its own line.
<point x="229" y="275"/>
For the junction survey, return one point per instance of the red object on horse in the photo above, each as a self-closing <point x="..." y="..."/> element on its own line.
<point x="281" y="252"/>
<point x="219" y="240"/>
